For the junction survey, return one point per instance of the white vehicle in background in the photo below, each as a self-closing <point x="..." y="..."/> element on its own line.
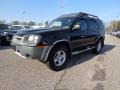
<point x="38" y="26"/>
<point x="118" y="34"/>
<point x="21" y="27"/>
<point x="114" y="33"/>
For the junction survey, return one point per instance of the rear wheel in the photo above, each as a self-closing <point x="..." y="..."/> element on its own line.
<point x="98" y="47"/>
<point x="58" y="58"/>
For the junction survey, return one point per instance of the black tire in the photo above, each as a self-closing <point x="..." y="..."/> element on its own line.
<point x="98" y="47"/>
<point x="0" y="41"/>
<point x="51" y="57"/>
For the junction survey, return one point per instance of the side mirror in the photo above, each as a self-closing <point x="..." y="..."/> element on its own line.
<point x="76" y="27"/>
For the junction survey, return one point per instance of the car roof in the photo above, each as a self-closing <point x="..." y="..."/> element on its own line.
<point x="81" y="14"/>
<point x="69" y="15"/>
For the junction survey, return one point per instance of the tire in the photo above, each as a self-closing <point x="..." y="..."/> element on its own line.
<point x="98" y="47"/>
<point x="58" y="58"/>
<point x="0" y="41"/>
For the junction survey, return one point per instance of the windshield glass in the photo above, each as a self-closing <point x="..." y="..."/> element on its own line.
<point x="17" y="27"/>
<point x="59" y="23"/>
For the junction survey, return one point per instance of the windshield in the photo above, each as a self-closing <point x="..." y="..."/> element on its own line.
<point x="59" y="23"/>
<point x="17" y="27"/>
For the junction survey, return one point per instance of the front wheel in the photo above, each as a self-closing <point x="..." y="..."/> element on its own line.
<point x="58" y="58"/>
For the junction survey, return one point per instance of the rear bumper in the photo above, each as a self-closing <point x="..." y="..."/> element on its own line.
<point x="31" y="52"/>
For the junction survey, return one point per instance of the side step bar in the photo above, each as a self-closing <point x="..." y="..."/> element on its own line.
<point x="77" y="52"/>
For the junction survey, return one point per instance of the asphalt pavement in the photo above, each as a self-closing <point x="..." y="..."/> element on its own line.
<point x="85" y="71"/>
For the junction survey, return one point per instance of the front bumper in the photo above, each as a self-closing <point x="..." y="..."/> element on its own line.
<point x="31" y="52"/>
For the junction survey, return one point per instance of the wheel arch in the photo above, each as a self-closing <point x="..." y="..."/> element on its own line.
<point x="58" y="43"/>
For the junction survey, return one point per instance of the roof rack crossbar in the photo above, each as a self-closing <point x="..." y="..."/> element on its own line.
<point x="87" y="15"/>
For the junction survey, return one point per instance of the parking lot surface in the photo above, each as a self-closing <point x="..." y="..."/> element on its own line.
<point x="86" y="71"/>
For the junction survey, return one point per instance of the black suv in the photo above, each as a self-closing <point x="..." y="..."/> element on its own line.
<point x="63" y="36"/>
<point x="6" y="33"/>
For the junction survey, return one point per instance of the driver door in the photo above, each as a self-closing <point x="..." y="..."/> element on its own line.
<point x="79" y="35"/>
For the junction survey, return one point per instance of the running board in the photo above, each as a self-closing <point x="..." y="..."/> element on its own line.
<point x="77" y="52"/>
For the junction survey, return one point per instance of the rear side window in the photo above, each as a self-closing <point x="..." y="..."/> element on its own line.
<point x="100" y="25"/>
<point x="92" y="26"/>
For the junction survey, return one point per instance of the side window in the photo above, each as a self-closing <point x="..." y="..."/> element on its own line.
<point x="100" y="25"/>
<point x="92" y="26"/>
<point x="82" y="24"/>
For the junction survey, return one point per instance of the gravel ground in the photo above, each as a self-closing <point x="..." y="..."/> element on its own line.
<point x="86" y="71"/>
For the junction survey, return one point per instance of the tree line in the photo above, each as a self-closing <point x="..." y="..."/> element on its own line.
<point x="113" y="26"/>
<point x="30" y="23"/>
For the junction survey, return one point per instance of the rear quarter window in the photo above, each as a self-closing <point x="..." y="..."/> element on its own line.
<point x="100" y="25"/>
<point x="92" y="26"/>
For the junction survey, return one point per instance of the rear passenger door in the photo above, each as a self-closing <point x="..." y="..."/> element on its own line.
<point x="92" y="30"/>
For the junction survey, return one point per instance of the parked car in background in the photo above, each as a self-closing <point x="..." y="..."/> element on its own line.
<point x="38" y="27"/>
<point x="21" y="27"/>
<point x="114" y="33"/>
<point x="117" y="34"/>
<point x="63" y="36"/>
<point x="6" y="33"/>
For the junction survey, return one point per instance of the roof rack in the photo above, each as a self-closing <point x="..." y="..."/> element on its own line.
<point x="87" y="15"/>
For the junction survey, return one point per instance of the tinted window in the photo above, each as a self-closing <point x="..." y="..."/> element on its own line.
<point x="82" y="23"/>
<point x="92" y="26"/>
<point x="100" y="25"/>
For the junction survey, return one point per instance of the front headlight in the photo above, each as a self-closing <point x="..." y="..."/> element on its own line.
<point x="5" y="33"/>
<point x="32" y="39"/>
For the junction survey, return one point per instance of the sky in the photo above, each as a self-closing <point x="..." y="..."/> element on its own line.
<point x="46" y="10"/>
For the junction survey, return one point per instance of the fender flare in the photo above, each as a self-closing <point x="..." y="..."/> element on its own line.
<point x="53" y="45"/>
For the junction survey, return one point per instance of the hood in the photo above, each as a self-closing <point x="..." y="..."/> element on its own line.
<point x="34" y="31"/>
<point x="11" y="31"/>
